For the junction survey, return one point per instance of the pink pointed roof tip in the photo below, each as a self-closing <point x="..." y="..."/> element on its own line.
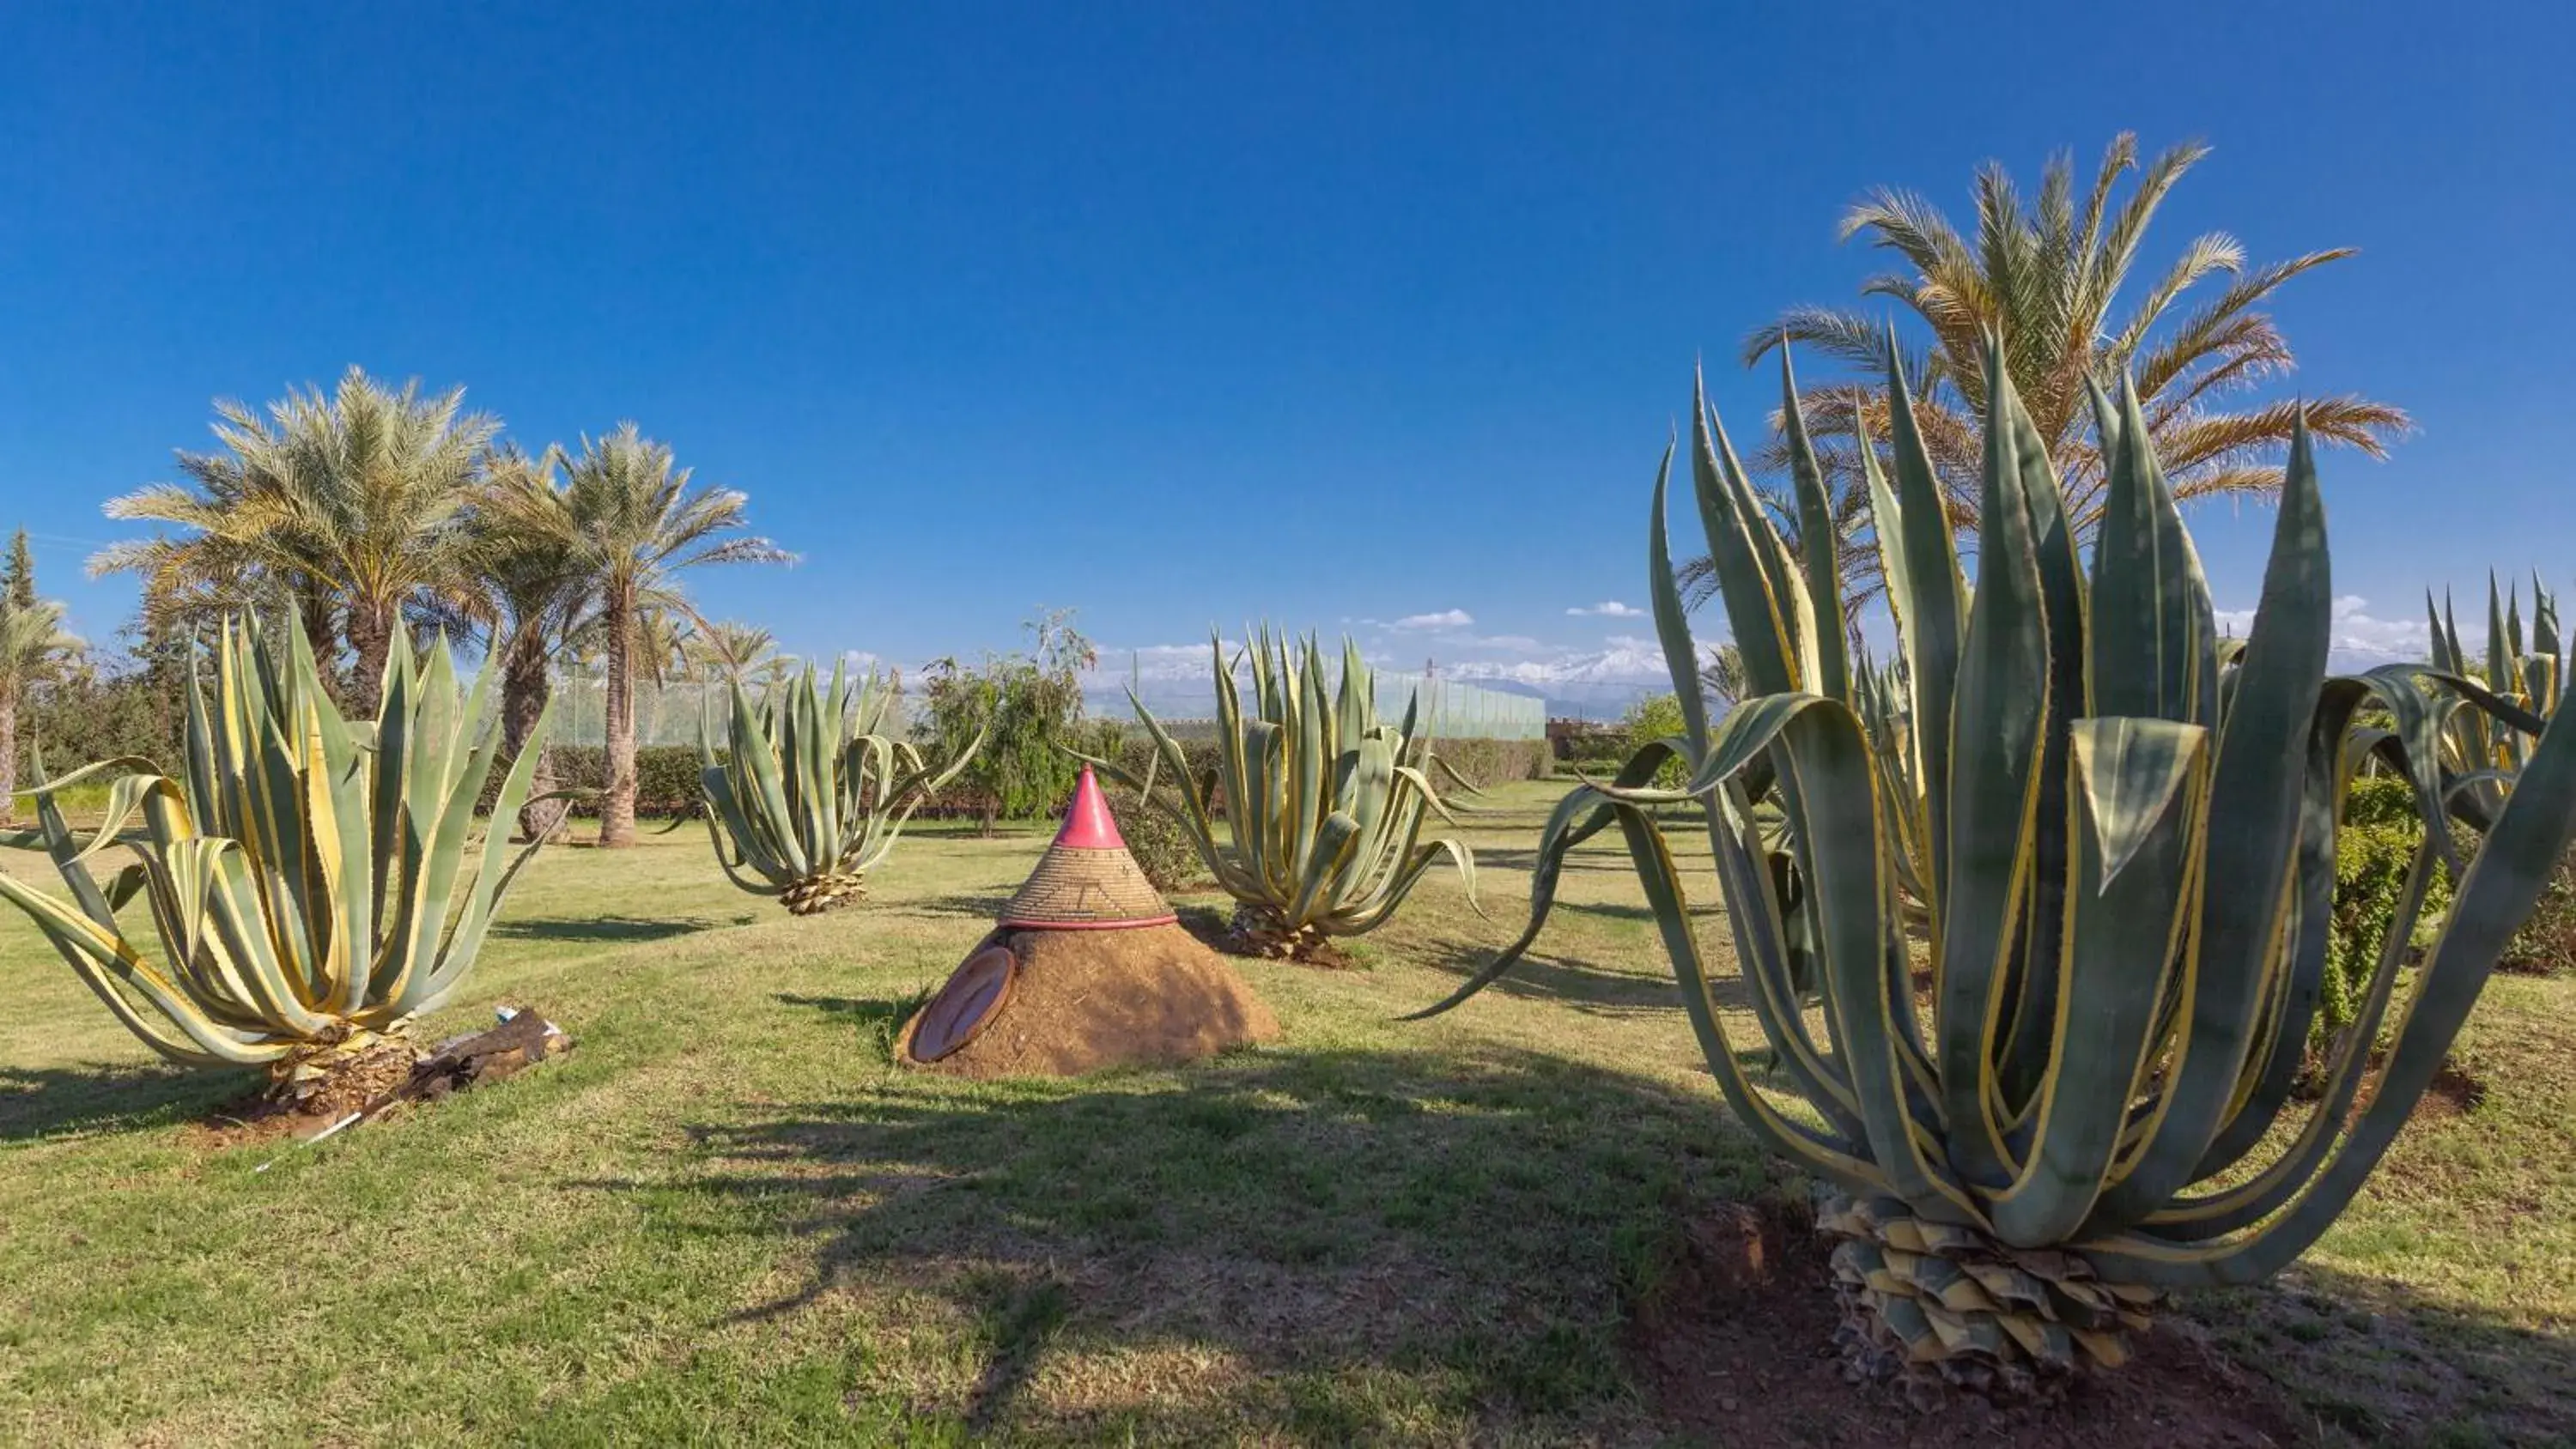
<point x="1088" y="825"/>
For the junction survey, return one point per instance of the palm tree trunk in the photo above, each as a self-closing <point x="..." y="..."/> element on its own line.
<point x="8" y="750"/>
<point x="371" y="636"/>
<point x="313" y="614"/>
<point x="525" y="687"/>
<point x="617" y="812"/>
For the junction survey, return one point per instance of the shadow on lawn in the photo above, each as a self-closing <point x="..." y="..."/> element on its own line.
<point x="1585" y="861"/>
<point x="980" y="907"/>
<point x="1477" y="1225"/>
<point x="2387" y="1364"/>
<point x="40" y="1102"/>
<point x="602" y="928"/>
<point x="1572" y="982"/>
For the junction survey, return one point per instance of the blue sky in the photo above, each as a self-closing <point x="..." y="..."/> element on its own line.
<point x="1184" y="315"/>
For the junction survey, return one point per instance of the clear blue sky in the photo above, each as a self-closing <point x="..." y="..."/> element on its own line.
<point x="1188" y="314"/>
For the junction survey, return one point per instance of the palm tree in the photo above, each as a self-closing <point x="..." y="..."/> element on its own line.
<point x="33" y="647"/>
<point x="355" y="499"/>
<point x="1721" y="676"/>
<point x="529" y="594"/>
<point x="740" y="653"/>
<point x="2048" y="278"/>
<point x="636" y="524"/>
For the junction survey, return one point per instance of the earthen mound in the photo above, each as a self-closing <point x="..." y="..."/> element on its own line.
<point x="1079" y="1001"/>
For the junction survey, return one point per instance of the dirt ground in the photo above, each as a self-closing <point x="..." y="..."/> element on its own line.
<point x="1737" y="1350"/>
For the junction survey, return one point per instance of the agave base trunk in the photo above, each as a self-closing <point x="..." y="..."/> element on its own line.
<point x="345" y="1069"/>
<point x="819" y="893"/>
<point x="1929" y="1304"/>
<point x="1261" y="931"/>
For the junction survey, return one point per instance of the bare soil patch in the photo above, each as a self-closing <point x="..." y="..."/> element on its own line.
<point x="264" y="1116"/>
<point x="388" y="1075"/>
<point x="1736" y="1348"/>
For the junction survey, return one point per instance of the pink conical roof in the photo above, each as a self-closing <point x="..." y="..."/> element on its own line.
<point x="1088" y="825"/>
<point x="1087" y="881"/>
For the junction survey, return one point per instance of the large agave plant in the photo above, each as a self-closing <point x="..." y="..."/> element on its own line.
<point x="309" y="884"/>
<point x="812" y="791"/>
<point x="2112" y="834"/>
<point x="1324" y="803"/>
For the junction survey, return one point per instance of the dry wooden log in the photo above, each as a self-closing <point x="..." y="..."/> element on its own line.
<point x="469" y="1061"/>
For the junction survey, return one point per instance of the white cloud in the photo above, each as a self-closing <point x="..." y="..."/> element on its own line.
<point x="2359" y="640"/>
<point x="1445" y="619"/>
<point x="1155" y="661"/>
<point x="1608" y="609"/>
<point x="1173" y="678"/>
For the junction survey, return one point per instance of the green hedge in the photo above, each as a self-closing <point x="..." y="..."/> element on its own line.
<point x="666" y="776"/>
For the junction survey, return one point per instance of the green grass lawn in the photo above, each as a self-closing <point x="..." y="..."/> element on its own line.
<point x="728" y="1218"/>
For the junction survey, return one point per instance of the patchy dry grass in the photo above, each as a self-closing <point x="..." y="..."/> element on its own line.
<point x="728" y="1218"/>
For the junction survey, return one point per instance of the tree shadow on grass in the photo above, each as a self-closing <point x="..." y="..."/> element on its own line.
<point x="1580" y="985"/>
<point x="1585" y="861"/>
<point x="2388" y="1364"/>
<point x="41" y="1102"/>
<point x="614" y="929"/>
<point x="981" y="907"/>
<point x="1341" y="1224"/>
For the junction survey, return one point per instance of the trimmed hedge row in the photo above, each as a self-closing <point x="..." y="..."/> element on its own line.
<point x="666" y="776"/>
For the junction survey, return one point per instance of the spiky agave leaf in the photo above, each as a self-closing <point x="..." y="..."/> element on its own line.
<point x="307" y="880"/>
<point x="2112" y="832"/>
<point x="1325" y="802"/>
<point x="812" y="792"/>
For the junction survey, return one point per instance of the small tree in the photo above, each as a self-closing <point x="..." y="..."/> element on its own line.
<point x="34" y="648"/>
<point x="1031" y="707"/>
<point x="18" y="575"/>
<point x="1656" y="717"/>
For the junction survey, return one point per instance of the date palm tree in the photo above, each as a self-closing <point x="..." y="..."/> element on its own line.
<point x="34" y="647"/>
<point x="528" y="593"/>
<point x="353" y="500"/>
<point x="636" y="524"/>
<point x="742" y="653"/>
<point x="2049" y="275"/>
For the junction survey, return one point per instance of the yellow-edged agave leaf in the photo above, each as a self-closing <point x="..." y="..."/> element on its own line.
<point x="810" y="794"/>
<point x="304" y="879"/>
<point x="1324" y="802"/>
<point x="2113" y="834"/>
<point x="2131" y="770"/>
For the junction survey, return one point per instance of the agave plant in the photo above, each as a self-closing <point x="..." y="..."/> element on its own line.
<point x="812" y="791"/>
<point x="2116" y="832"/>
<point x="2481" y="756"/>
<point x="1324" y="803"/>
<point x="312" y="885"/>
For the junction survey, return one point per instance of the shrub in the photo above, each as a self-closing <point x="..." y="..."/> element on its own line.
<point x="1656" y="717"/>
<point x="2546" y="944"/>
<point x="1484" y="764"/>
<point x="1027" y="711"/>
<point x="666" y="779"/>
<point x="1156" y="837"/>
<point x="2374" y="850"/>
